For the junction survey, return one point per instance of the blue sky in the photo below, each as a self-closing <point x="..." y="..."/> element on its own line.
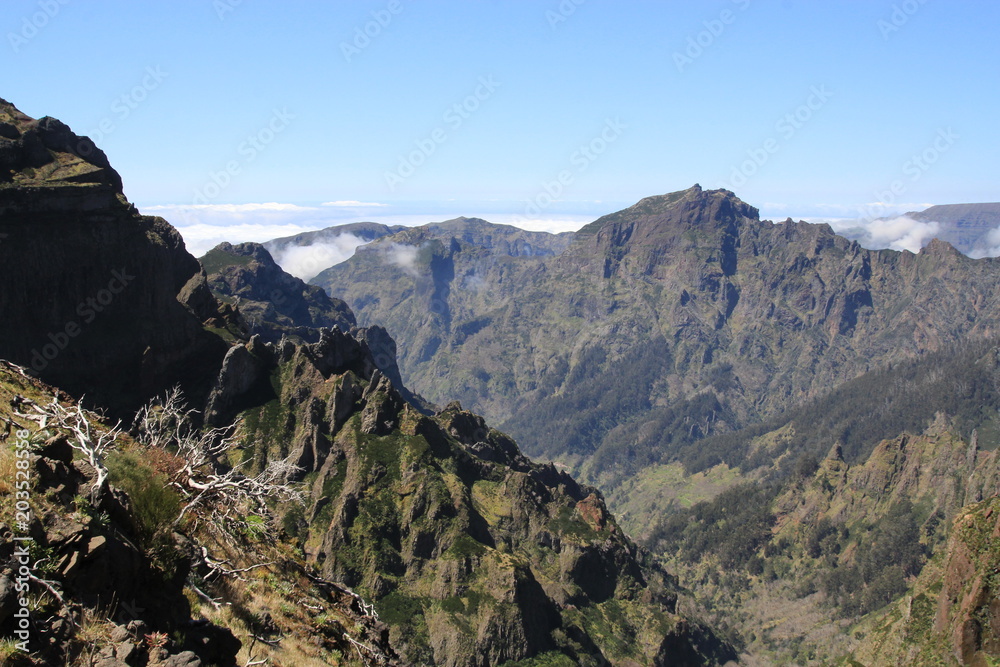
<point x="564" y="111"/>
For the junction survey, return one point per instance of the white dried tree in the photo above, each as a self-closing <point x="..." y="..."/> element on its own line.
<point x="202" y="475"/>
<point x="94" y="442"/>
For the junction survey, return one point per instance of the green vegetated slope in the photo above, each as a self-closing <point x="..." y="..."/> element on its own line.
<point x="123" y="578"/>
<point x="792" y="566"/>
<point x="681" y="317"/>
<point x="815" y="526"/>
<point x="471" y="553"/>
<point x="951" y="615"/>
<point x="802" y="545"/>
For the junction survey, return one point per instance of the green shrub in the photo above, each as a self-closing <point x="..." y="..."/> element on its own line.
<point x="155" y="505"/>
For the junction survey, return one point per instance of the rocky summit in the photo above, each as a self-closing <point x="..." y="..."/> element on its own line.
<point x="273" y="303"/>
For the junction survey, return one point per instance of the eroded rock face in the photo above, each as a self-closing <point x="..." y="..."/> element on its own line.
<point x="99" y="299"/>
<point x="274" y="303"/>
<point x="968" y="607"/>
<point x="472" y="554"/>
<point x="685" y="307"/>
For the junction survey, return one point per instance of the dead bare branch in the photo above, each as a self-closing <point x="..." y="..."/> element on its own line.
<point x="94" y="443"/>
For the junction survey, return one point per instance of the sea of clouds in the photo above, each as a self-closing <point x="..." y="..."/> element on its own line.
<point x="205" y="226"/>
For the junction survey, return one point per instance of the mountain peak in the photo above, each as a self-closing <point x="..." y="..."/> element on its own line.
<point x="639" y="237"/>
<point x="46" y="153"/>
<point x="694" y="207"/>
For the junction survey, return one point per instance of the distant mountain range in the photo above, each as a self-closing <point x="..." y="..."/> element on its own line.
<point x="651" y="328"/>
<point x="834" y="409"/>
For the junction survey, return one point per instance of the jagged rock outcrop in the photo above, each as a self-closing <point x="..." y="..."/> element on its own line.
<point x="471" y="553"/>
<point x="106" y="302"/>
<point x="274" y="303"/>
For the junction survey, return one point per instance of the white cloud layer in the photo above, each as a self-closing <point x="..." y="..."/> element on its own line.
<point x="200" y="238"/>
<point x="306" y="262"/>
<point x="351" y="203"/>
<point x="897" y="233"/>
<point x="204" y="226"/>
<point x="990" y="246"/>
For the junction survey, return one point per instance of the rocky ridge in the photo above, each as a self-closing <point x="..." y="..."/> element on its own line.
<point x="472" y="554"/>
<point x="682" y="316"/>
<point x="273" y="303"/>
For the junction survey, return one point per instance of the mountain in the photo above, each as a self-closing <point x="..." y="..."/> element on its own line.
<point x="363" y="231"/>
<point x="965" y="226"/>
<point x="792" y="422"/>
<point x="274" y="303"/>
<point x="680" y="317"/>
<point x="250" y="486"/>
<point x="107" y="302"/>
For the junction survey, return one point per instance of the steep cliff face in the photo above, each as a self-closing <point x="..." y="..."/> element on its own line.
<point x="98" y="299"/>
<point x="471" y="553"/>
<point x="968" y="607"/>
<point x="682" y="316"/>
<point x="952" y="614"/>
